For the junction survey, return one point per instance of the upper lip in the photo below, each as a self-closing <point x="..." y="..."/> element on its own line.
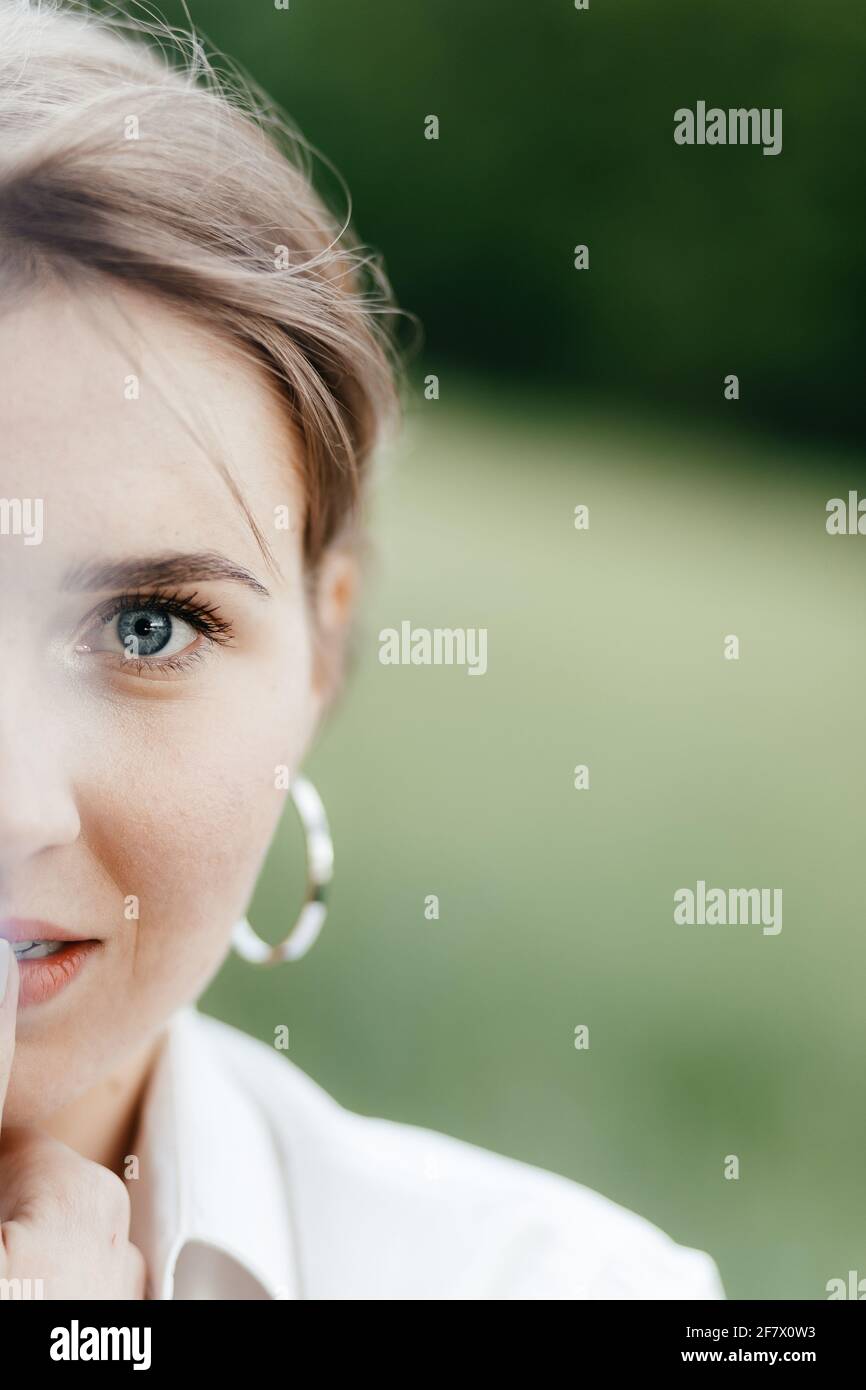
<point x="20" y="929"/>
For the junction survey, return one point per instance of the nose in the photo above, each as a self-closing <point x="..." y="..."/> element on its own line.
<point x="37" y="807"/>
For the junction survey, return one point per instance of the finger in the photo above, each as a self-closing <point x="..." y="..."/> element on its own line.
<point x="8" y="1015"/>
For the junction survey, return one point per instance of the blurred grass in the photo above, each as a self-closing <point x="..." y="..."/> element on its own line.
<point x="605" y="648"/>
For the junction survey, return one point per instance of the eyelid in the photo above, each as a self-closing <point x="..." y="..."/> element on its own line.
<point x="151" y="668"/>
<point x="204" y="619"/>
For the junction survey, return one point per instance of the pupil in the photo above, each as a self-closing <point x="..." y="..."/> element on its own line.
<point x="144" y="633"/>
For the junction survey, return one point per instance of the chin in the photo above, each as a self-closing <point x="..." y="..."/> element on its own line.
<point x="34" y="1096"/>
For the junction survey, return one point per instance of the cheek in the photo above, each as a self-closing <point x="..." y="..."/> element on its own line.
<point x="178" y="803"/>
<point x="182" y="812"/>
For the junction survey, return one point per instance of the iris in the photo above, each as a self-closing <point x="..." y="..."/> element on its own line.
<point x="144" y="632"/>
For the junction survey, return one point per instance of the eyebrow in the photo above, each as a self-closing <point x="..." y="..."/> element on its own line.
<point x="172" y="567"/>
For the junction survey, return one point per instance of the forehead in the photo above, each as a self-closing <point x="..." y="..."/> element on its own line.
<point x="116" y="411"/>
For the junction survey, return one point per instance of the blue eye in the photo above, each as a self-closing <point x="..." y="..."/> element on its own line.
<point x="141" y="631"/>
<point x="156" y="632"/>
<point x="144" y="632"/>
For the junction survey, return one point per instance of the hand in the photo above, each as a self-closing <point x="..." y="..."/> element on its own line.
<point x="63" y="1219"/>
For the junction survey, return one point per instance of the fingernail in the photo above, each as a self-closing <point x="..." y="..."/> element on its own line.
<point x="5" y="956"/>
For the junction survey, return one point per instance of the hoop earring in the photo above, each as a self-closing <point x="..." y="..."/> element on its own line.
<point x="320" y="868"/>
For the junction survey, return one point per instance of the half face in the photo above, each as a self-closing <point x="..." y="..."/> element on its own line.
<point x="155" y="668"/>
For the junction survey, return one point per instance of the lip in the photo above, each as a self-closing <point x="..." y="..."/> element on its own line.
<point x="41" y="980"/>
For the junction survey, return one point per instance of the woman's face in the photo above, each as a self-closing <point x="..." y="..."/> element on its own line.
<point x="139" y="748"/>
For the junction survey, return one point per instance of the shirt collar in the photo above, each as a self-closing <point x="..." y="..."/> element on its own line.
<point x="208" y="1170"/>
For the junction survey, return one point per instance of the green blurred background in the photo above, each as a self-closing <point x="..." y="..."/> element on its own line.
<point x="605" y="388"/>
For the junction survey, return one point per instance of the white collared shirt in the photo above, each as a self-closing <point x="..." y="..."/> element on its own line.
<point x="254" y="1182"/>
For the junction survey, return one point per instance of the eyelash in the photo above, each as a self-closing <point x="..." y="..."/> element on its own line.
<point x="202" y="617"/>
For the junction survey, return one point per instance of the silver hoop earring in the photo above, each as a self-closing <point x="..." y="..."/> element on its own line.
<point x="320" y="869"/>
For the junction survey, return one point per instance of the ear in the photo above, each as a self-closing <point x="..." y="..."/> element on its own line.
<point x="334" y="598"/>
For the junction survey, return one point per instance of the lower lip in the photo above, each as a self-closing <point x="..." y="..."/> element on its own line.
<point x="42" y="979"/>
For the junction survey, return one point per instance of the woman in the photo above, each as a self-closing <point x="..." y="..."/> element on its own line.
<point x="194" y="382"/>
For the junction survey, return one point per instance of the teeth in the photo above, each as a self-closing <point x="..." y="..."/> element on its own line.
<point x="35" y="950"/>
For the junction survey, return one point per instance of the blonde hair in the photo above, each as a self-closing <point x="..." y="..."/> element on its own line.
<point x="124" y="154"/>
